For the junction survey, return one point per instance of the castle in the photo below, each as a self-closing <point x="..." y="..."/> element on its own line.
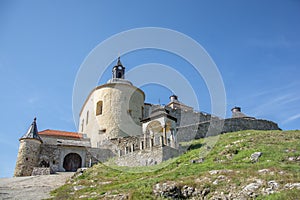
<point x="115" y="122"/>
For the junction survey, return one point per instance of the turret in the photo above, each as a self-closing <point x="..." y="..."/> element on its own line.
<point x="118" y="70"/>
<point x="176" y="104"/>
<point x="29" y="150"/>
<point x="174" y="98"/>
<point x="236" y="109"/>
<point x="237" y="113"/>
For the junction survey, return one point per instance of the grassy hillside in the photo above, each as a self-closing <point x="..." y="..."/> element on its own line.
<point x="226" y="172"/>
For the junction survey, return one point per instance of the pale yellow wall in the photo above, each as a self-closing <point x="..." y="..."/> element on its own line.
<point x="117" y="99"/>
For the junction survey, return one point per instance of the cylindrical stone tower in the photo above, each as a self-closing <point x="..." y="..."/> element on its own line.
<point x="29" y="151"/>
<point x="113" y="110"/>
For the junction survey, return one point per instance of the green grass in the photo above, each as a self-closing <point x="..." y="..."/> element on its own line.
<point x="232" y="151"/>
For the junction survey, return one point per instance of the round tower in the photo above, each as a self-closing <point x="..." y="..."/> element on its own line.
<point x="113" y="110"/>
<point x="29" y="151"/>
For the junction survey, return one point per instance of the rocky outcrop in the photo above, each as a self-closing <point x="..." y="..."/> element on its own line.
<point x="251" y="189"/>
<point x="254" y="157"/>
<point x="173" y="190"/>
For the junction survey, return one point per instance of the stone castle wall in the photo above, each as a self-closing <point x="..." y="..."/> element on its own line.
<point x="147" y="156"/>
<point x="185" y="118"/>
<point x="238" y="124"/>
<point x="28" y="154"/>
<point x="196" y="131"/>
<point x="53" y="156"/>
<point x="96" y="155"/>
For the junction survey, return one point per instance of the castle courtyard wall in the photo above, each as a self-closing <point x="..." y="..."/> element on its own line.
<point x="146" y="157"/>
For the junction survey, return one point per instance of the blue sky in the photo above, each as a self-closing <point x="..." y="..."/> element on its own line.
<point x="255" y="45"/>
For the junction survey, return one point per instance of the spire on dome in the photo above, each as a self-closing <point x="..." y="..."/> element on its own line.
<point x="32" y="132"/>
<point x="118" y="70"/>
<point x="119" y="62"/>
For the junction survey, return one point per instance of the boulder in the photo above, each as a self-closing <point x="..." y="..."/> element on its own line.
<point x="254" y="157"/>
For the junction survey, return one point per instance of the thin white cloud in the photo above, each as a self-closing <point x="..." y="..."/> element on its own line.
<point x="292" y="118"/>
<point x="272" y="104"/>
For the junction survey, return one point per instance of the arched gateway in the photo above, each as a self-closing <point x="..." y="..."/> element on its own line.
<point x="72" y="162"/>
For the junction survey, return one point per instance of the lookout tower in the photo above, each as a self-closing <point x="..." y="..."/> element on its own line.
<point x="30" y="144"/>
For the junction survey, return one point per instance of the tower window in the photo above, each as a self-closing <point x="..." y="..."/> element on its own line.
<point x="87" y="117"/>
<point x="99" y="108"/>
<point x="82" y="124"/>
<point x="119" y="75"/>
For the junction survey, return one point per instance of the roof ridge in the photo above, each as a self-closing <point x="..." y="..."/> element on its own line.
<point x="59" y="130"/>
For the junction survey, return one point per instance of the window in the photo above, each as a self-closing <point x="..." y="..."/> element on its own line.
<point x="119" y="75"/>
<point x="99" y="108"/>
<point x="82" y="124"/>
<point x="87" y="117"/>
<point x="142" y="112"/>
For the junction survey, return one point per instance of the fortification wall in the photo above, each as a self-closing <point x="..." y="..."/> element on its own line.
<point x="53" y="156"/>
<point x="200" y="130"/>
<point x="185" y="118"/>
<point x="238" y="124"/>
<point x="95" y="155"/>
<point x="28" y="153"/>
<point x="49" y="157"/>
<point x="146" y="157"/>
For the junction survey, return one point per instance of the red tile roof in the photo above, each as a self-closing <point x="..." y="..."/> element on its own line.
<point x="57" y="133"/>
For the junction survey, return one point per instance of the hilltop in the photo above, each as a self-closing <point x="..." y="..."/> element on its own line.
<point x="242" y="165"/>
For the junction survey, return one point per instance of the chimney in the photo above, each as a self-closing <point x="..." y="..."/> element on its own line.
<point x="236" y="109"/>
<point x="173" y="98"/>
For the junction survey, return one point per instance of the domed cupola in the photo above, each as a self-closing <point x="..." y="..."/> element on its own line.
<point x="118" y="74"/>
<point x="118" y="71"/>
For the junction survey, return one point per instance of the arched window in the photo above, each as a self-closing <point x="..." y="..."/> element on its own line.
<point x="87" y="117"/>
<point x="99" y="108"/>
<point x="119" y="75"/>
<point x="82" y="125"/>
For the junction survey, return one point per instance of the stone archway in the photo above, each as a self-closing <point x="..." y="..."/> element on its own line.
<point x="72" y="162"/>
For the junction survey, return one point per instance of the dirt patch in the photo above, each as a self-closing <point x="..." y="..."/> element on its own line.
<point x="31" y="187"/>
